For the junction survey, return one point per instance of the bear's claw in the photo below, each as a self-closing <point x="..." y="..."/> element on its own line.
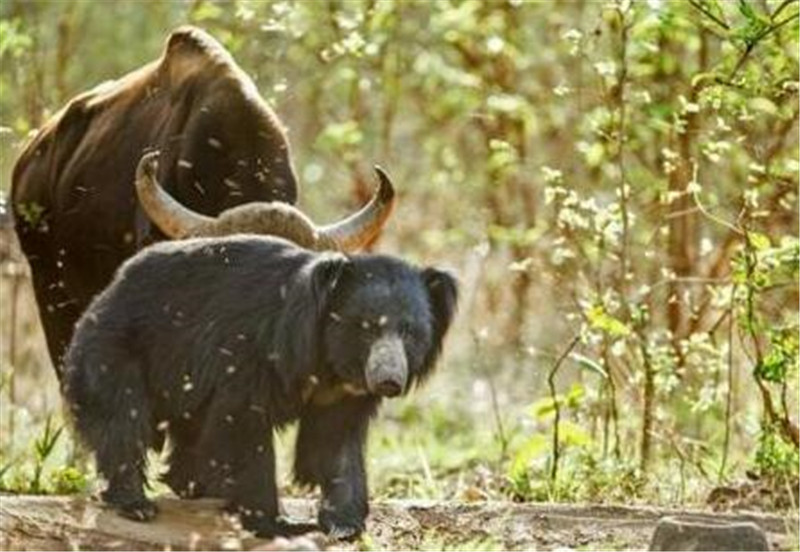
<point x="143" y="510"/>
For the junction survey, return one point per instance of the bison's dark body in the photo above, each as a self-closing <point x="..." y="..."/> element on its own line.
<point x="73" y="195"/>
<point x="216" y="342"/>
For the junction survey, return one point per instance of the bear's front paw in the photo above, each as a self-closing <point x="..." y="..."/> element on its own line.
<point x="339" y="527"/>
<point x="141" y="510"/>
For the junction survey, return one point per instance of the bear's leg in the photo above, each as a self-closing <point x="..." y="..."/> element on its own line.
<point x="330" y="453"/>
<point x="187" y="474"/>
<point x="125" y="493"/>
<point x="239" y="440"/>
<point x="112" y="414"/>
<point x="182" y="474"/>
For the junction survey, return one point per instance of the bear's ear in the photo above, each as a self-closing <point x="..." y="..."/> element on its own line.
<point x="324" y="277"/>
<point x="443" y="294"/>
<point x="298" y="335"/>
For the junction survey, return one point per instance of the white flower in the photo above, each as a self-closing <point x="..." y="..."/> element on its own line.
<point x="606" y="68"/>
<point x="552" y="176"/>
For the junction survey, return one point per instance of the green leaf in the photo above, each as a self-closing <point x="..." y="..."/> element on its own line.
<point x="13" y="40"/>
<point x="783" y="356"/>
<point x="759" y="241"/>
<point x="599" y="319"/>
<point x="514" y="235"/>
<point x="533" y="448"/>
<point x="337" y="136"/>
<point x="31" y="212"/>
<point x="543" y="408"/>
<point x="714" y="7"/>
<point x="571" y="434"/>
<point x="746" y="10"/>
<point x="589" y="364"/>
<point x="595" y="154"/>
<point x="703" y="78"/>
<point x="506" y="103"/>
<point x="546" y="406"/>
<point x="764" y="105"/>
<point x="206" y="11"/>
<point x="574" y="398"/>
<point x="67" y="480"/>
<point x="756" y="23"/>
<point x="753" y="17"/>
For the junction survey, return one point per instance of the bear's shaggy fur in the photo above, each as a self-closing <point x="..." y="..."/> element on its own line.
<point x="216" y="342"/>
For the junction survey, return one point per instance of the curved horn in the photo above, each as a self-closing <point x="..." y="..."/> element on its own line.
<point x="172" y="218"/>
<point x="360" y="228"/>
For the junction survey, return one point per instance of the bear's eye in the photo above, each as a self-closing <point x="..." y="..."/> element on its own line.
<point x="367" y="330"/>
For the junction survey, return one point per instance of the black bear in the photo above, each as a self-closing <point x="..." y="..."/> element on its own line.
<point x="216" y="342"/>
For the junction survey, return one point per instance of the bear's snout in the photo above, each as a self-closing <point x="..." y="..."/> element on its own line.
<point x="387" y="367"/>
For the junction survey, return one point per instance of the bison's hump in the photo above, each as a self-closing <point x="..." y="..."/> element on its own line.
<point x="190" y="39"/>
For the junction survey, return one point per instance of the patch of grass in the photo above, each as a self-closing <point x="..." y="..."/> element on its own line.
<point x="583" y="477"/>
<point x="427" y="451"/>
<point x="46" y="467"/>
<point x="775" y="458"/>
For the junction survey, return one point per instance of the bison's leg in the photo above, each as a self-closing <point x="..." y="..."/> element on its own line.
<point x="58" y="309"/>
<point x="330" y="453"/>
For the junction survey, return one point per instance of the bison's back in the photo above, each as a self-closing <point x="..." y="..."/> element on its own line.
<point x="73" y="196"/>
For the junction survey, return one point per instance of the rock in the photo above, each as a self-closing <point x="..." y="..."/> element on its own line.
<point x="704" y="533"/>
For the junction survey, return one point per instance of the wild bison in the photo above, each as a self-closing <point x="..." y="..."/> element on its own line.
<point x="216" y="342"/>
<point x="73" y="198"/>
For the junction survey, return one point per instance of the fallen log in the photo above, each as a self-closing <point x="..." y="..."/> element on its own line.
<point x="63" y="523"/>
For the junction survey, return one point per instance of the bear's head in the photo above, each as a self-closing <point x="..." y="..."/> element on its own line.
<point x="366" y="324"/>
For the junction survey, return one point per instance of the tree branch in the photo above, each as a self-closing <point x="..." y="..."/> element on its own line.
<point x="780" y="8"/>
<point x="774" y="27"/>
<point x="702" y="9"/>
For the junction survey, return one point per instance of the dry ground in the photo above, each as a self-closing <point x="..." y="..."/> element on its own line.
<point x="51" y="523"/>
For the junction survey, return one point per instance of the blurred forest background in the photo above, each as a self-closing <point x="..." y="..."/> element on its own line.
<point x="615" y="184"/>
